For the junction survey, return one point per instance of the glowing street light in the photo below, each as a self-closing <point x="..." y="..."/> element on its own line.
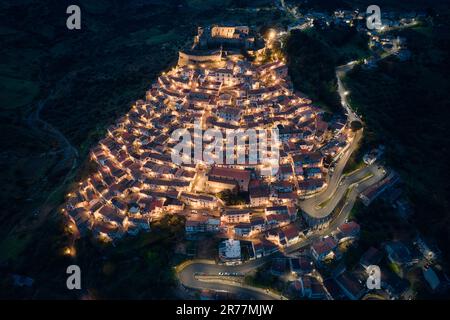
<point x="271" y="35"/>
<point x="69" y="251"/>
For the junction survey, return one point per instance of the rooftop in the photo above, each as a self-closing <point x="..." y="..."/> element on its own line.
<point x="231" y="248"/>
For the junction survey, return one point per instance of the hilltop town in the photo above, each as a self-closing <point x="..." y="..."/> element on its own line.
<point x="229" y="82"/>
<point x="136" y="181"/>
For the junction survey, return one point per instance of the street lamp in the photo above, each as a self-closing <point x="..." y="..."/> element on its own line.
<point x="271" y="35"/>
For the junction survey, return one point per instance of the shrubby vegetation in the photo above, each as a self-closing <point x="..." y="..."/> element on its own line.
<point x="313" y="57"/>
<point x="311" y="67"/>
<point x="405" y="105"/>
<point x="232" y="198"/>
<point x="262" y="278"/>
<point x="137" y="268"/>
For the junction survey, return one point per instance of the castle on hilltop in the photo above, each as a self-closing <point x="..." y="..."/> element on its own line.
<point x="213" y="42"/>
<point x="228" y="37"/>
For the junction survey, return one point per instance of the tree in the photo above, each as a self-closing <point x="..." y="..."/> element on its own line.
<point x="356" y="125"/>
<point x="312" y="65"/>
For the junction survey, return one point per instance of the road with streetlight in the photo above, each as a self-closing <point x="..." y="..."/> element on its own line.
<point x="343" y="92"/>
<point x="188" y="276"/>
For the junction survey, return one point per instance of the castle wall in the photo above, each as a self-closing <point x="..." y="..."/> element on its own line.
<point x="185" y="58"/>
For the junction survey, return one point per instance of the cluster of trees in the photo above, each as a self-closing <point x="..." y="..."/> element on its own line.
<point x="262" y="278"/>
<point x="312" y="68"/>
<point x="233" y="198"/>
<point x="313" y="56"/>
<point x="136" y="268"/>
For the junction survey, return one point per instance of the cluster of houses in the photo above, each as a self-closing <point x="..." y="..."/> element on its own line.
<point x="389" y="19"/>
<point x="322" y="250"/>
<point x="305" y="269"/>
<point x="379" y="40"/>
<point x="393" y="282"/>
<point x="396" y="261"/>
<point x="380" y="43"/>
<point x="135" y="179"/>
<point x="351" y="284"/>
<point x="272" y="224"/>
<point x="318" y="272"/>
<point x="327" y="248"/>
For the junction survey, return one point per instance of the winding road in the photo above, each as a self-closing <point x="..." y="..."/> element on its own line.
<point x="188" y="276"/>
<point x="341" y="187"/>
